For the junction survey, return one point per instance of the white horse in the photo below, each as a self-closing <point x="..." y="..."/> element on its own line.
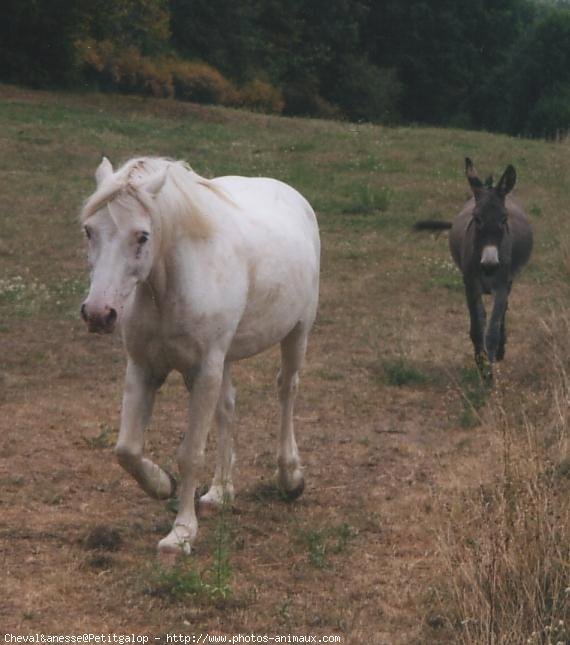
<point x="199" y="273"/>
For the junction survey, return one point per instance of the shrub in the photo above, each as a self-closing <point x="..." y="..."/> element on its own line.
<point x="124" y="69"/>
<point x="201" y="83"/>
<point x="260" y="96"/>
<point x="302" y="98"/>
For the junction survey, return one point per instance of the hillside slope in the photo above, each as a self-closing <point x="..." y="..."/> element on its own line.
<point x="399" y="439"/>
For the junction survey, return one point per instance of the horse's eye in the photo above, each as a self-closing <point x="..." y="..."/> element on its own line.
<point x="87" y="232"/>
<point x="142" y="237"/>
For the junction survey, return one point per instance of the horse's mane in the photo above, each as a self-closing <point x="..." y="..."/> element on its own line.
<point x="182" y="206"/>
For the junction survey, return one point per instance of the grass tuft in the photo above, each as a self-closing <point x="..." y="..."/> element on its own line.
<point x="398" y="372"/>
<point x="321" y="543"/>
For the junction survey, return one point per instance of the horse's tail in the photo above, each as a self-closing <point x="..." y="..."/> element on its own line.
<point x="431" y="225"/>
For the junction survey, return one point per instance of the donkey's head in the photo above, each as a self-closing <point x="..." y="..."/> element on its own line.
<point x="121" y="239"/>
<point x="490" y="216"/>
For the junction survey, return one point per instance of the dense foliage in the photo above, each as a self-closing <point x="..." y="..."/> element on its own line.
<point x="502" y="65"/>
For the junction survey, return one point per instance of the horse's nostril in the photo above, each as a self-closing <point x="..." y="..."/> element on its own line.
<point x="83" y="312"/>
<point x="111" y="317"/>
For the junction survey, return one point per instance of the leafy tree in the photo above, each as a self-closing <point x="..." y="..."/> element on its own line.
<point x="218" y="32"/>
<point x="36" y="41"/>
<point x="536" y="79"/>
<point x="443" y="51"/>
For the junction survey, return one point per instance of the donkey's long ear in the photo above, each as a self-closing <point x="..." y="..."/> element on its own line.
<point x="104" y="170"/>
<point x="154" y="185"/>
<point x="506" y="182"/>
<point x="474" y="181"/>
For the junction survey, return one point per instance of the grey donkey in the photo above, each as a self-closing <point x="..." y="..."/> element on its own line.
<point x="490" y="241"/>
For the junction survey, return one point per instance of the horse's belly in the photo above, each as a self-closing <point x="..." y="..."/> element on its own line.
<point x="256" y="339"/>
<point x="268" y="319"/>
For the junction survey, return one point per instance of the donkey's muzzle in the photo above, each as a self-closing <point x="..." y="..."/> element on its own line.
<point x="490" y="259"/>
<point x="489" y="269"/>
<point x="102" y="322"/>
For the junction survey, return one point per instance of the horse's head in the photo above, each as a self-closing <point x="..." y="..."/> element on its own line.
<point x="490" y="215"/>
<point x="122" y="242"/>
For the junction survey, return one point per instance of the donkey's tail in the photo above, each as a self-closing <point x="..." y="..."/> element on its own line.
<point x="431" y="225"/>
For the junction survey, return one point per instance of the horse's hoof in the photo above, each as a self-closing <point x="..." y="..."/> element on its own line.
<point x="291" y="484"/>
<point x="173" y="484"/>
<point x="177" y="542"/>
<point x="216" y="499"/>
<point x="296" y="492"/>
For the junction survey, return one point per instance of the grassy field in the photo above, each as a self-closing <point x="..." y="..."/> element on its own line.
<point x="436" y="511"/>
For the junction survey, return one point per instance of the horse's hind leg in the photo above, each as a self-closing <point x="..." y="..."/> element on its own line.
<point x="138" y="400"/>
<point x="290" y="476"/>
<point x="222" y="489"/>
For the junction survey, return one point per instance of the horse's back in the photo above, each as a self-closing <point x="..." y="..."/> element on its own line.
<point x="269" y="199"/>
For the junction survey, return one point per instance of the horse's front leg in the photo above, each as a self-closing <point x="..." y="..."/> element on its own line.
<point x="494" y="340"/>
<point x="138" y="399"/>
<point x="204" y="395"/>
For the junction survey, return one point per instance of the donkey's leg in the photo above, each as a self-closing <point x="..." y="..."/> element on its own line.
<point x="138" y="400"/>
<point x="204" y="396"/>
<point x="502" y="338"/>
<point x="503" y="331"/>
<point x="493" y="336"/>
<point x="290" y="475"/>
<point x="478" y="320"/>
<point x="222" y="489"/>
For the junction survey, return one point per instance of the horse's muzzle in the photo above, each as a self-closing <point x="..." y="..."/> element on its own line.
<point x="99" y="322"/>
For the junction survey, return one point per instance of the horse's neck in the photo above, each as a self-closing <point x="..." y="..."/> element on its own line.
<point x="155" y="288"/>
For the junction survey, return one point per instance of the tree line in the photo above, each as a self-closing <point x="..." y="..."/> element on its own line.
<point x="502" y="65"/>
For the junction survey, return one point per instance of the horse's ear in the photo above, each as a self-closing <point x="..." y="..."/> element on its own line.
<point x="104" y="170"/>
<point x="506" y="182"/>
<point x="474" y="181"/>
<point x="154" y="185"/>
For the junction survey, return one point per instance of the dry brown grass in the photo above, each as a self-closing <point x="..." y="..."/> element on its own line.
<point x="506" y="542"/>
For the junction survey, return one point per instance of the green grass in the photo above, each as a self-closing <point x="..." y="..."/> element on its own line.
<point x="324" y="542"/>
<point x="474" y="393"/>
<point x="397" y="372"/>
<point x="185" y="579"/>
